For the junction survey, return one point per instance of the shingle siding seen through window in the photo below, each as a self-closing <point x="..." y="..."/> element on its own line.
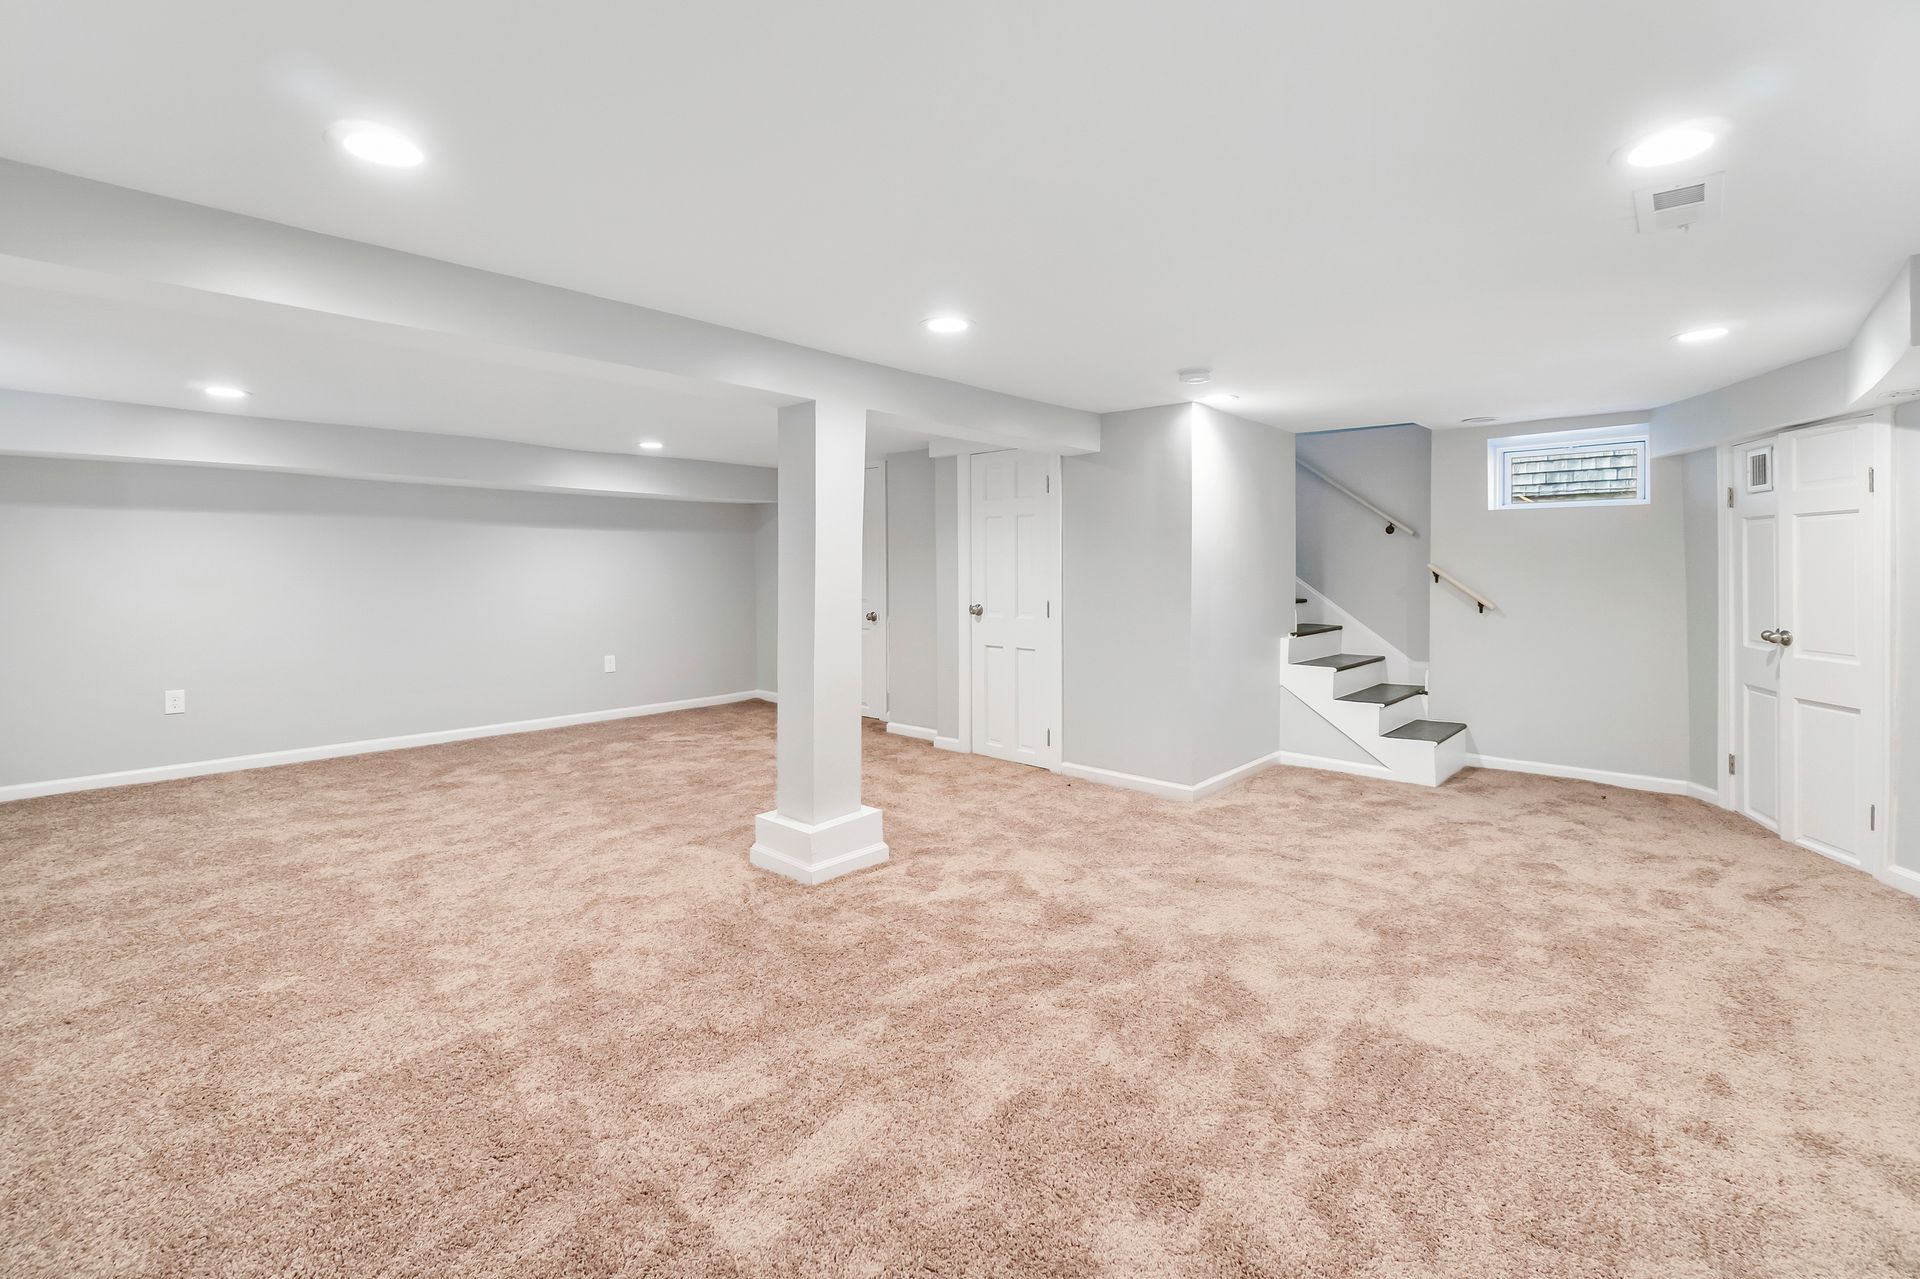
<point x="1609" y="474"/>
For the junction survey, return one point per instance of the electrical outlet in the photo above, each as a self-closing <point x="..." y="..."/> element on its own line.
<point x="176" y="701"/>
<point x="607" y="663"/>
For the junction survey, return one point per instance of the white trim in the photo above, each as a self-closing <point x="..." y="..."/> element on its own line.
<point x="305" y="754"/>
<point x="1126" y="781"/>
<point x="913" y="730"/>
<point x="814" y="852"/>
<point x="1499" y="451"/>
<point x="1899" y="877"/>
<point x="1328" y="764"/>
<point x="1238" y="773"/>
<point x="1628" y="781"/>
<point x="1169" y="790"/>
<point x="763" y="695"/>
<point x="1705" y="794"/>
<point x="951" y="744"/>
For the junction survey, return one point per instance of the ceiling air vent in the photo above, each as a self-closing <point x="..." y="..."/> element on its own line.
<point x="1676" y="208"/>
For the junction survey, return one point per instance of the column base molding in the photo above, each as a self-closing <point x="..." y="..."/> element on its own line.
<point x="813" y="854"/>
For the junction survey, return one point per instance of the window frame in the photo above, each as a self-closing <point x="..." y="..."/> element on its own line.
<point x="1501" y="451"/>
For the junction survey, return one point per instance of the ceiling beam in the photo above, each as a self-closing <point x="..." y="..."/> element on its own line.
<point x="63" y="232"/>
<point x="34" y="425"/>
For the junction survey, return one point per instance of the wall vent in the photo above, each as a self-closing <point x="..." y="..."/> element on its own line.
<point x="1675" y="208"/>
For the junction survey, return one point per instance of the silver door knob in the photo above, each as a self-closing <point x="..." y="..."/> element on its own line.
<point x="1783" y="638"/>
<point x="1769" y="637"/>
<point x="975" y="609"/>
<point x="873" y="617"/>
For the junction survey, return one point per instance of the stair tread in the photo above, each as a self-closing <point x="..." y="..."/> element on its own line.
<point x="1426" y="730"/>
<point x="1343" y="661"/>
<point x="1313" y="628"/>
<point x="1385" y="694"/>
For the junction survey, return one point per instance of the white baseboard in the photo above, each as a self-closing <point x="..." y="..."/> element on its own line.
<point x="761" y="695"/>
<point x="950" y="744"/>
<point x="1628" y="781"/>
<point x="913" y="730"/>
<point x="1294" y="759"/>
<point x="1164" y="789"/>
<point x="305" y="754"/>
<point x="1238" y="773"/>
<point x="1900" y="877"/>
<point x="1708" y="794"/>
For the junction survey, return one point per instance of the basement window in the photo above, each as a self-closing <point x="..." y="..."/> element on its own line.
<point x="1577" y="469"/>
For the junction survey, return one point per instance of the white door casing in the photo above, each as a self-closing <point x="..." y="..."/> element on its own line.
<point x="873" y="595"/>
<point x="1756" y="662"/>
<point x="1810" y="708"/>
<point x="1014" y="637"/>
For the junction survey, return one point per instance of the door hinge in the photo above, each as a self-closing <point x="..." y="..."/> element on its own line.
<point x="1049" y="737"/>
<point x="1869" y="479"/>
<point x="1729" y="766"/>
<point x="1049" y="484"/>
<point x="1729" y="497"/>
<point x="1049" y="608"/>
<point x="1870" y="816"/>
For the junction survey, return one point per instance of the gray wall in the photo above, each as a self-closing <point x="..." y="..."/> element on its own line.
<point x="298" y="611"/>
<point x="913" y="679"/>
<point x="1344" y="550"/>
<point x="766" y="597"/>
<point x="1585" y="662"/>
<point x="1177" y="553"/>
<point x="1243" y="548"/>
<point x="946" y="596"/>
<point x="1126" y="582"/>
<point x="1701" y="500"/>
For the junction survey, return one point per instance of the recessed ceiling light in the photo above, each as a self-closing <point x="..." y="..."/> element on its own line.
<point x="1220" y="397"/>
<point x="1476" y="421"/>
<point x="947" y="324"/>
<point x="376" y="144"/>
<point x="652" y="446"/>
<point x="1670" y="146"/>
<point x="221" y="391"/>
<point x="1712" y="332"/>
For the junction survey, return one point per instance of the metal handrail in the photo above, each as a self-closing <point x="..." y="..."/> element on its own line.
<point x="1440" y="575"/>
<point x="1393" y="522"/>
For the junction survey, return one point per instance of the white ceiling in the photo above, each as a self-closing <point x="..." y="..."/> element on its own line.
<point x="1355" y="212"/>
<point x="64" y="344"/>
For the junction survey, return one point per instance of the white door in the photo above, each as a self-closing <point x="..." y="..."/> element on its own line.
<point x="1014" y="561"/>
<point x="873" y="596"/>
<point x="1810" y="714"/>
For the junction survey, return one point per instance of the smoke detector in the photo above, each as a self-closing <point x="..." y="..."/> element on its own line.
<point x="1678" y="206"/>
<point x="1195" y="377"/>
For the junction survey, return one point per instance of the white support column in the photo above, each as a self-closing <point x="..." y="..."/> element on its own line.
<point x="819" y="828"/>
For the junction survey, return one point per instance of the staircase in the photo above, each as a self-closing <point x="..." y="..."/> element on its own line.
<point x="1384" y="720"/>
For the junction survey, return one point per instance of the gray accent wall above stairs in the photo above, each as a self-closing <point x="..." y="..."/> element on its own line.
<point x="1344" y="550"/>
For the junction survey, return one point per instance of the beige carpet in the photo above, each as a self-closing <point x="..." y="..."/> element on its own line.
<point x="519" y="1007"/>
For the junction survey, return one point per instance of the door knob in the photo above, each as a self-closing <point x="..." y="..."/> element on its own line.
<point x="873" y="617"/>
<point x="1783" y="638"/>
<point x="1771" y="637"/>
<point x="975" y="609"/>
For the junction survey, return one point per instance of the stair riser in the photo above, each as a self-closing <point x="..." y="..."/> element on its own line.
<point x="1304" y="648"/>
<point x="1401" y="713"/>
<point x="1317" y="683"/>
